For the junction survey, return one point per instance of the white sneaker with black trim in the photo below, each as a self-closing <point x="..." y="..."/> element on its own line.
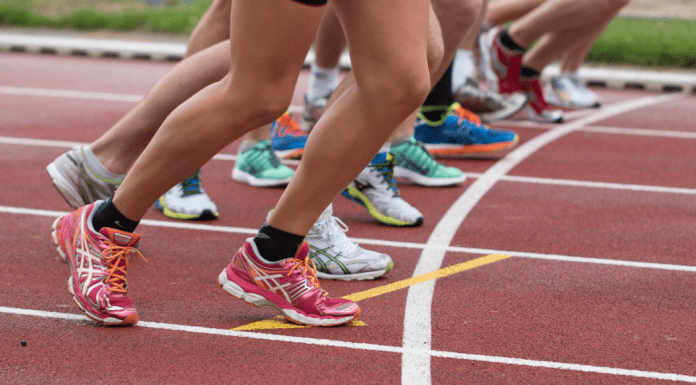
<point x="337" y="257"/>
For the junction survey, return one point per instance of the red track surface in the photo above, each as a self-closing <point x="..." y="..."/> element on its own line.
<point x="567" y="307"/>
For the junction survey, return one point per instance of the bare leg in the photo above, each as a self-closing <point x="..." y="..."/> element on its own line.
<point x="330" y="40"/>
<point x="354" y="128"/>
<point x="504" y="11"/>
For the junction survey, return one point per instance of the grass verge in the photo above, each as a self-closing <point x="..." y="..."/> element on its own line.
<point x="665" y="43"/>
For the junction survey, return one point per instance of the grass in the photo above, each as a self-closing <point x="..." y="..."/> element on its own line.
<point x="626" y="41"/>
<point x="117" y="15"/>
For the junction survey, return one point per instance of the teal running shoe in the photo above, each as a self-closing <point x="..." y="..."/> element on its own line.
<point x="461" y="133"/>
<point x="260" y="167"/>
<point x="415" y="163"/>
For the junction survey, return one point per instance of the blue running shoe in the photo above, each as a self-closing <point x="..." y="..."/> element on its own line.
<point x="461" y="133"/>
<point x="286" y="138"/>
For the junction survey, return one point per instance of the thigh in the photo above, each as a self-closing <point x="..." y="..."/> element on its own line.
<point x="269" y="41"/>
<point x="385" y="36"/>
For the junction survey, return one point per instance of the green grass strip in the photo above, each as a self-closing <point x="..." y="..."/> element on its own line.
<point x="667" y="43"/>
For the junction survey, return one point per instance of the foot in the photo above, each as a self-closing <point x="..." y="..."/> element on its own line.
<point x="313" y="110"/>
<point x="537" y="108"/>
<point x="337" y="257"/>
<point x="461" y="133"/>
<point x="501" y="65"/>
<point x="260" y="167"/>
<point x="188" y="200"/>
<point x="488" y="105"/>
<point x="98" y="264"/>
<point x="415" y="163"/>
<point x="77" y="182"/>
<point x="568" y="91"/>
<point x="289" y="286"/>
<point x="376" y="190"/>
<point x="286" y="138"/>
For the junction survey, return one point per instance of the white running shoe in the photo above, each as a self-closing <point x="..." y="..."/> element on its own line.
<point x="568" y="91"/>
<point x="337" y="257"/>
<point x="78" y="182"/>
<point x="188" y="200"/>
<point x="375" y="189"/>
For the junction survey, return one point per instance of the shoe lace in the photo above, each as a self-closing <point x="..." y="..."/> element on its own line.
<point x="192" y="184"/>
<point x="119" y="258"/>
<point x="334" y="228"/>
<point x="308" y="269"/>
<point x="423" y="157"/>
<point x="386" y="169"/>
<point x="463" y="113"/>
<point x="266" y="157"/>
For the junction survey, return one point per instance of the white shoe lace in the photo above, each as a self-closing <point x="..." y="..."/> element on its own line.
<point x="333" y="229"/>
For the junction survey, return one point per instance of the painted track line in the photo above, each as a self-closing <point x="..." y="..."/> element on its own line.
<point x="417" y="318"/>
<point x="367" y="347"/>
<point x="380" y="242"/>
<point x="86" y="95"/>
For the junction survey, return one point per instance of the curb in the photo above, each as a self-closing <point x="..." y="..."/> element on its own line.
<point x="616" y="78"/>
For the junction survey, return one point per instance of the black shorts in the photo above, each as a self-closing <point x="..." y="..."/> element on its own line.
<point x="314" y="3"/>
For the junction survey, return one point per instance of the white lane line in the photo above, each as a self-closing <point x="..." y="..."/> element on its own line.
<point x="380" y="242"/>
<point x="415" y="368"/>
<point x="590" y="184"/>
<point x="366" y="346"/>
<point x="73" y="94"/>
<point x="641" y="132"/>
<point x="519" y="179"/>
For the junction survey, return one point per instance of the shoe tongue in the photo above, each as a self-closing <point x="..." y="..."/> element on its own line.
<point x="302" y="251"/>
<point x="119" y="237"/>
<point x="380" y="158"/>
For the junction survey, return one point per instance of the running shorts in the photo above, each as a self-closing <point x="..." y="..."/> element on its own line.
<point x="315" y="3"/>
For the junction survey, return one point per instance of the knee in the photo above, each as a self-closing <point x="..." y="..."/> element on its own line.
<point x="255" y="106"/>
<point x="402" y="93"/>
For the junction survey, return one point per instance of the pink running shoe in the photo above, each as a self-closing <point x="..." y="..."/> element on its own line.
<point x="290" y="286"/>
<point x="98" y="266"/>
<point x="537" y="108"/>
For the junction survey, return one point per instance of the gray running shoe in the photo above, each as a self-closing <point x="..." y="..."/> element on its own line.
<point x="488" y="105"/>
<point x="79" y="184"/>
<point x="313" y="111"/>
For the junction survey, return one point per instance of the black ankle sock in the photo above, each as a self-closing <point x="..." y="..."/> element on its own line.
<point x="107" y="215"/>
<point x="507" y="42"/>
<point x="434" y="113"/>
<point x="275" y="244"/>
<point x="528" y="72"/>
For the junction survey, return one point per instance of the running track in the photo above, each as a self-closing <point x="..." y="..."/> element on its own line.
<point x="569" y="259"/>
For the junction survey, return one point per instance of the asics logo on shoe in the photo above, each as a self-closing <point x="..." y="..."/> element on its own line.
<point x="290" y="291"/>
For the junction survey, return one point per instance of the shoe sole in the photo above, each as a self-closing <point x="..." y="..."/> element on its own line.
<point x="107" y="321"/>
<point x="245" y="177"/>
<point x="206" y="215"/>
<point x="455" y="150"/>
<point x="356" y="196"/>
<point x="289" y="154"/>
<point x="65" y="187"/>
<point x="365" y="276"/>
<point x="295" y="316"/>
<point x="420" y="179"/>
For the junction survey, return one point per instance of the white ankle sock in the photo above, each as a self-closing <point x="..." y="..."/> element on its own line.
<point x="322" y="82"/>
<point x="462" y="68"/>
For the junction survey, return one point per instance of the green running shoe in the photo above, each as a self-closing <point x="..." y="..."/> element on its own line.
<point x="415" y="163"/>
<point x="260" y="167"/>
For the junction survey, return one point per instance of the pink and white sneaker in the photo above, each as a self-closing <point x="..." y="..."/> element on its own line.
<point x="290" y="286"/>
<point x="98" y="264"/>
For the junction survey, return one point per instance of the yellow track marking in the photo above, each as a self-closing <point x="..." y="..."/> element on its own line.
<point x="474" y="263"/>
<point x="280" y="322"/>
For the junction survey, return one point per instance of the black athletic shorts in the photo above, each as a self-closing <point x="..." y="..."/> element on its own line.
<point x="315" y="3"/>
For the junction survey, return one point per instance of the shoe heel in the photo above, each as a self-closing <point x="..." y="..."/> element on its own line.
<point x="56" y="240"/>
<point x="236" y="291"/>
